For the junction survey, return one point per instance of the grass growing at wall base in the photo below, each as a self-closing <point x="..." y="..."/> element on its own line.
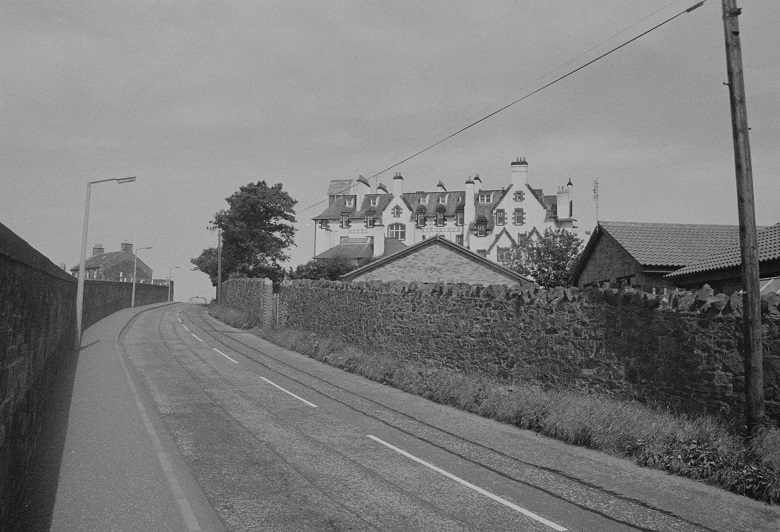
<point x="701" y="448"/>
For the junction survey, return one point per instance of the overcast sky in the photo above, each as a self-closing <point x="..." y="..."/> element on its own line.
<point x="199" y="98"/>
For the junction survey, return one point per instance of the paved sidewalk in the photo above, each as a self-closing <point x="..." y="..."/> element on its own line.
<point x="108" y="464"/>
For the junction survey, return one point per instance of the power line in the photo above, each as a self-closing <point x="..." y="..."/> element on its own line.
<point x="553" y="82"/>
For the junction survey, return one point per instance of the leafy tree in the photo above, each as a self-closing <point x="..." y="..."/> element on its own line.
<point x="330" y="269"/>
<point x="550" y="259"/>
<point x="256" y="231"/>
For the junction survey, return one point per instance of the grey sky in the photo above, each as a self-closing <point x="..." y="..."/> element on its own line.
<point x="199" y="98"/>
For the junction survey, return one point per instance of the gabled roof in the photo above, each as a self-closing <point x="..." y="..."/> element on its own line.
<point x="433" y="241"/>
<point x="498" y="237"/>
<point x="349" y="248"/>
<point x="669" y="246"/>
<point x="103" y="259"/>
<point x="768" y="240"/>
<point x="661" y="244"/>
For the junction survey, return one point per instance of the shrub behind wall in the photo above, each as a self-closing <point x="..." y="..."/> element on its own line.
<point x="680" y="351"/>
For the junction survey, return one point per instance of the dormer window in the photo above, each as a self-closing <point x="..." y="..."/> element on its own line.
<point x="396" y="211"/>
<point x="481" y="226"/>
<point x="374" y="201"/>
<point x="459" y="218"/>
<point x="350" y="202"/>
<point x="370" y="221"/>
<point x="424" y="200"/>
<point x="442" y="200"/>
<point x="439" y="218"/>
<point x="420" y="219"/>
<point x="484" y="197"/>
<point x="519" y="195"/>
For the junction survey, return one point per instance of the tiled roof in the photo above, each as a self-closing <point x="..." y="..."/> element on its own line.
<point x="656" y="244"/>
<point x="393" y="245"/>
<point x="351" y="248"/>
<point x="334" y="210"/>
<point x="450" y="205"/>
<point x="101" y="259"/>
<point x="383" y="200"/>
<point x="768" y="240"/>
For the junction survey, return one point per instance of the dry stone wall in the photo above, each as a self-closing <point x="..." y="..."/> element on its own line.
<point x="679" y="351"/>
<point x="252" y="296"/>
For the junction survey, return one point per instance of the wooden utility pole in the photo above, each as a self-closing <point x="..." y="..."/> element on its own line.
<point x="754" y="374"/>
<point x="219" y="266"/>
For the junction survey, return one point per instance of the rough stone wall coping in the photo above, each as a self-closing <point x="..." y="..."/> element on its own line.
<point x="703" y="301"/>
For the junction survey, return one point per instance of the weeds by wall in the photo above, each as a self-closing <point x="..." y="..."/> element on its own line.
<point x="680" y="351"/>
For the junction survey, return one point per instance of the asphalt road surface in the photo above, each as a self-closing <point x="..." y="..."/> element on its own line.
<point x="278" y="441"/>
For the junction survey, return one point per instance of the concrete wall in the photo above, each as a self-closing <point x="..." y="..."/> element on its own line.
<point x="679" y="351"/>
<point x="37" y="339"/>
<point x="253" y="296"/>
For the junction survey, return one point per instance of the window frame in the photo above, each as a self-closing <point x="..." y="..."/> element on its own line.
<point x="518" y="217"/>
<point x="396" y="211"/>
<point x="399" y="229"/>
<point x="485" y="197"/>
<point x="519" y="196"/>
<point x="500" y="215"/>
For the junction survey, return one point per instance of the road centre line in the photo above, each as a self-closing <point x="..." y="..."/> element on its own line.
<point x="496" y="498"/>
<point x="224" y="355"/>
<point x="198" y="339"/>
<point x="289" y="392"/>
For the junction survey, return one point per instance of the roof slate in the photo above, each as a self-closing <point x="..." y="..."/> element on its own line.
<point x="768" y="240"/>
<point x="663" y="244"/>
<point x="349" y="250"/>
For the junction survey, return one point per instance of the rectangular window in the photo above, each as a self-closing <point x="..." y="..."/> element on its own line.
<point x="345" y="222"/>
<point x="459" y="240"/>
<point x="503" y="254"/>
<point x="442" y="199"/>
<point x="482" y="253"/>
<point x="374" y="202"/>
<point x="420" y="220"/>
<point x="484" y="197"/>
<point x="397" y="211"/>
<point x="519" y="217"/>
<point x="439" y="219"/>
<point x="396" y="231"/>
<point x="519" y="195"/>
<point x="369" y="221"/>
<point x="350" y="202"/>
<point x="459" y="218"/>
<point x="500" y="217"/>
<point x="324" y="224"/>
<point x="481" y="229"/>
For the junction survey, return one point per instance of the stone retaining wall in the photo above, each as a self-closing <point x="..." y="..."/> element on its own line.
<point x="679" y="351"/>
<point x="252" y="296"/>
<point x="37" y="339"/>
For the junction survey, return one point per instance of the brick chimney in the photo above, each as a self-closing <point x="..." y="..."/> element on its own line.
<point x="127" y="247"/>
<point x="97" y="249"/>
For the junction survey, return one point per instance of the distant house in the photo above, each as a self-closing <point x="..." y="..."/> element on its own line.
<point x="722" y="270"/>
<point x="437" y="260"/>
<point x="643" y="254"/>
<point x="114" y="265"/>
<point x="487" y="221"/>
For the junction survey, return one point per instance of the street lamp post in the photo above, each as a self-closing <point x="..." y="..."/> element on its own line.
<point x="135" y="265"/>
<point x="170" y="270"/>
<point x="83" y="257"/>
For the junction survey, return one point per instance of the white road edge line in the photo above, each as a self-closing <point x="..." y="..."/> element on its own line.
<point x="224" y="355"/>
<point x="185" y="326"/>
<point x="496" y="498"/>
<point x="193" y="334"/>
<point x="289" y="392"/>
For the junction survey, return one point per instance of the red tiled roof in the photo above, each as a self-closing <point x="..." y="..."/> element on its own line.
<point x="768" y="240"/>
<point x="654" y="244"/>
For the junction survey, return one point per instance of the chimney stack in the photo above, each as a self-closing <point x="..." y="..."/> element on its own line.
<point x="441" y="187"/>
<point x="127" y="247"/>
<point x="381" y="189"/>
<point x="398" y="185"/>
<point x="519" y="173"/>
<point x="361" y="189"/>
<point x="97" y="249"/>
<point x="469" y="211"/>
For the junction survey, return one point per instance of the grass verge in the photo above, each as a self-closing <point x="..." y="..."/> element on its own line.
<point x="700" y="448"/>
